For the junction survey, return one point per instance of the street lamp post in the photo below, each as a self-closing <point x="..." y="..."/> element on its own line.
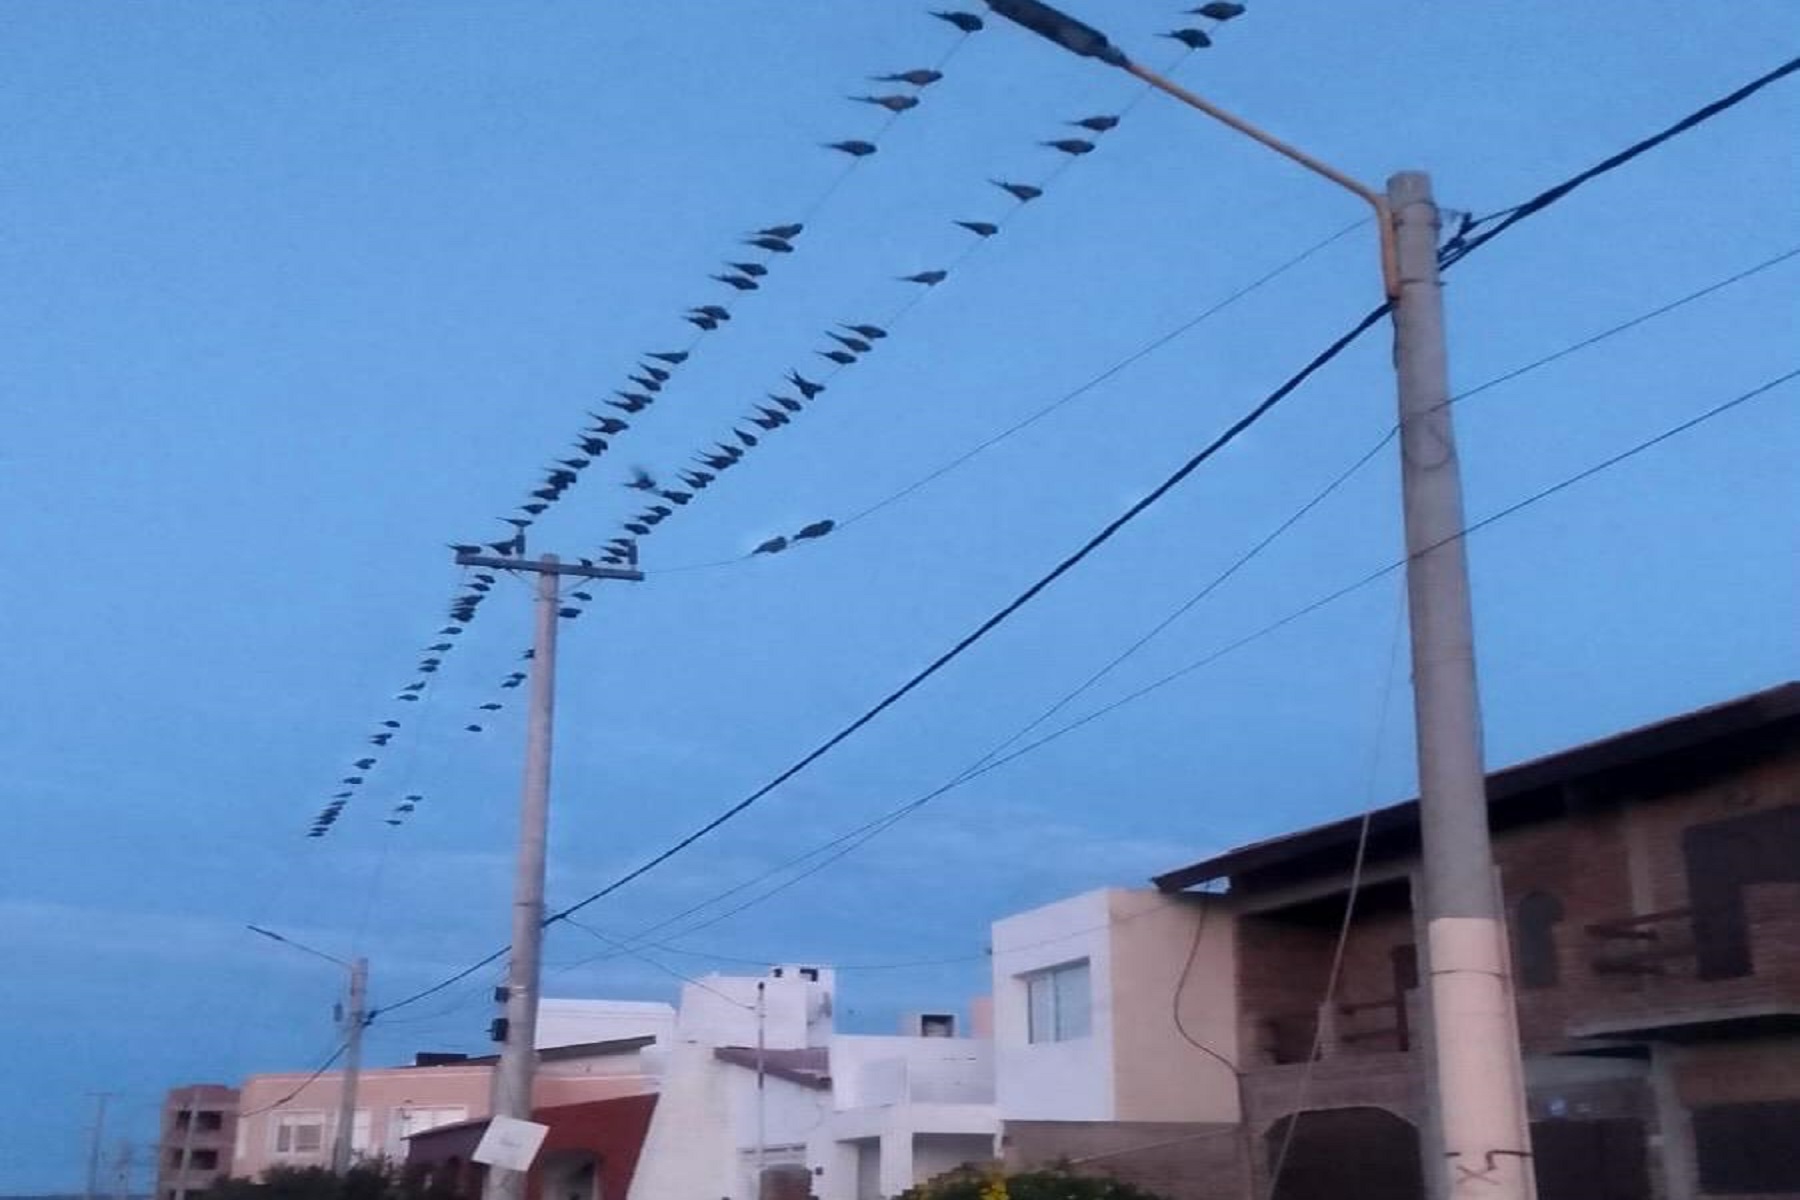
<point x="1480" y="1088"/>
<point x="354" y="1020"/>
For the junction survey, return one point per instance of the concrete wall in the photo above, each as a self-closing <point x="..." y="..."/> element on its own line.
<point x="871" y="1071"/>
<point x="721" y="1010"/>
<point x="1054" y="1081"/>
<point x="1174" y="984"/>
<point x="198" y="1138"/>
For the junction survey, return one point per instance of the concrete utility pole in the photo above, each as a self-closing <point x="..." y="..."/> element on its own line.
<point x="355" y="1019"/>
<point x="518" y="1026"/>
<point x="95" y="1134"/>
<point x="1487" y="1140"/>
<point x="1486" y="1135"/>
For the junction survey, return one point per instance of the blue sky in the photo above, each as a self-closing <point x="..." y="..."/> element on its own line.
<point x="299" y="292"/>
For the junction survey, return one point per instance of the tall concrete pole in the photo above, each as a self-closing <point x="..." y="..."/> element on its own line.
<point x="1486" y="1136"/>
<point x="94" y="1136"/>
<point x="355" y="1018"/>
<point x="518" y="1054"/>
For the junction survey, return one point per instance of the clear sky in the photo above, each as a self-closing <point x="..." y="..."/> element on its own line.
<point x="298" y="292"/>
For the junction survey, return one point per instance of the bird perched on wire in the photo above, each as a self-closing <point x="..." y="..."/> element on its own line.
<point x="773" y="245"/>
<point x="606" y="425"/>
<point x="928" y="278"/>
<point x="853" y="344"/>
<point x="842" y="358"/>
<point x="807" y="387"/>
<point x="786" y="233"/>
<point x="1021" y="192"/>
<point x="673" y="496"/>
<point x="1193" y="39"/>
<point x="923" y="77"/>
<point x="740" y="282"/>
<point x="967" y="22"/>
<point x="695" y="479"/>
<point x="817" y="529"/>
<point x="770" y="418"/>
<point x="673" y="357"/>
<point x="646" y="382"/>
<point x="593" y="445"/>
<point x="873" y="332"/>
<point x="984" y="229"/>
<point x="774" y="545"/>
<point x="701" y="320"/>
<point x="641" y="480"/>
<point x="854" y="149"/>
<point x="1096" y="124"/>
<point x="1071" y="146"/>
<point x="631" y="402"/>
<point x="491" y="706"/>
<point x="895" y="104"/>
<point x="1218" y="10"/>
<point x="754" y="270"/>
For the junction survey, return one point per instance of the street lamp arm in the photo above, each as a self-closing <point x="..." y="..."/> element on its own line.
<point x="300" y="946"/>
<point x="1390" y="273"/>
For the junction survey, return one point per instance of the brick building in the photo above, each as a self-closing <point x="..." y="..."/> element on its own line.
<point x="1652" y="887"/>
<point x="198" y="1130"/>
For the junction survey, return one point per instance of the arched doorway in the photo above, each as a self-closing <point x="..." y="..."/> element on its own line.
<point x="1332" y="1153"/>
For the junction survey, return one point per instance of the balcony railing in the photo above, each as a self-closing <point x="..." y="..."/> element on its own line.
<point x="1646" y="944"/>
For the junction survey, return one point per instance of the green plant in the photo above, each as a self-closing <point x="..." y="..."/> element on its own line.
<point x="1055" y="1184"/>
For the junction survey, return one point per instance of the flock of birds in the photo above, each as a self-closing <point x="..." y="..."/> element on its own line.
<point x="842" y="347"/>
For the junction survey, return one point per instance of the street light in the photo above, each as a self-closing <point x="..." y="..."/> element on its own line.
<point x="1480" y="1110"/>
<point x="355" y="1018"/>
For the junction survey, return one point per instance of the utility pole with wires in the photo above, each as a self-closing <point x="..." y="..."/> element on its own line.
<point x="516" y="1029"/>
<point x="1480" y="1094"/>
<point x="96" y="1133"/>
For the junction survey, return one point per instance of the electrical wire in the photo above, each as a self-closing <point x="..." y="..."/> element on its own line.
<point x="306" y="1083"/>
<point x="1543" y="201"/>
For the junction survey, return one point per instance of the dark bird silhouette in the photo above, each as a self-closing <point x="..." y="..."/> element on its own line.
<point x="623" y="546"/>
<point x="510" y="548"/>
<point x="390" y="820"/>
<point x="417" y="686"/>
<point x="592" y="445"/>
<point x="1072" y="146"/>
<point x="519" y="523"/>
<point x="928" y="278"/>
<point x="967" y="22"/>
<point x="646" y="382"/>
<point x="856" y="345"/>
<point x="718" y="462"/>
<point x="564" y="478"/>
<point x="894" y="104"/>
<point x="739" y="282"/>
<point x="513" y="683"/>
<point x="696" y="479"/>
<point x="753" y="270"/>
<point x="584" y="597"/>
<point x="771" y="418"/>
<point x="841" y="357"/>
<point x="703" y="322"/>
<point x="673" y="497"/>
<point x="491" y="706"/>
<point x="465" y="548"/>
<point x="405" y="808"/>
<point x="440" y="647"/>
<point x="807" y="387"/>
<point x="641" y="480"/>
<point x="631" y="402"/>
<point x="853" y="148"/>
<point x="341" y="796"/>
<point x="919" y="78"/>
<point x="568" y="614"/>
<point x="729" y="451"/>
<point x="745" y="436"/>
<point x="1218" y="10"/>
<point x="656" y="373"/>
<point x="676" y="357"/>
<point x="980" y="228"/>
<point x="472" y="728"/>
<point x="1021" y="192"/>
<point x="575" y="464"/>
<point x="817" y="529"/>
<point x="774" y="545"/>
<point x="380" y="739"/>
<point x="535" y="509"/>
<point x="547" y="493"/>
<point x="449" y="630"/>
<point x="786" y="233"/>
<point x="608" y="425"/>
<point x="353" y="780"/>
<point x="1193" y="39"/>
<point x="1096" y="124"/>
<point x="773" y="245"/>
<point x="390" y="724"/>
<point x="873" y="332"/>
<point x="640" y="529"/>
<point x="719" y="312"/>
<point x="787" y="402"/>
<point x="363" y="764"/>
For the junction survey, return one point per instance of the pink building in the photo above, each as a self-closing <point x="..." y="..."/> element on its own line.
<point x="291" y="1119"/>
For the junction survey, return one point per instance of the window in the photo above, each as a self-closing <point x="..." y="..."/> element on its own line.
<point x="1057" y="1001"/>
<point x="204" y="1160"/>
<point x="1534" y="936"/>
<point x="1748" y="1147"/>
<point x="299" y="1133"/>
<point x="211" y="1120"/>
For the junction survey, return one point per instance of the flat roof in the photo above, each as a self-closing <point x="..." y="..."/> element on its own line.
<point x="1394" y="829"/>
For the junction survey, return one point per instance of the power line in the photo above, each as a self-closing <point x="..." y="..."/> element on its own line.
<point x="306" y="1083"/>
<point x="1455" y="253"/>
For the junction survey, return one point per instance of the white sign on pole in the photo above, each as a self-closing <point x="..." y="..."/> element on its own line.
<point x="510" y="1143"/>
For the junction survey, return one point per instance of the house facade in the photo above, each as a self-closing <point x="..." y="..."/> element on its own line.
<point x="1651" y="883"/>
<point x="198" y="1132"/>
